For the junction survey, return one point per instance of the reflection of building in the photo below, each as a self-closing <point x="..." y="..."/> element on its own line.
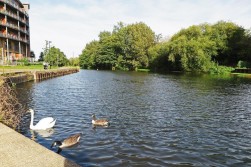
<point x="14" y="31"/>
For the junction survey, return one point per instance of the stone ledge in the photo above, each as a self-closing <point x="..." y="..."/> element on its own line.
<point x="17" y="150"/>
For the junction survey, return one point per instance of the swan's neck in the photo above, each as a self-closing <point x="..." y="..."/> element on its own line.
<point x="32" y="118"/>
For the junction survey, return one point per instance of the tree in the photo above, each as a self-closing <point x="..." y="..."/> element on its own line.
<point x="135" y="40"/>
<point x="56" y="58"/>
<point x="74" y="61"/>
<point x="125" y="48"/>
<point x="87" y="58"/>
<point x="188" y="49"/>
<point x="41" y="57"/>
<point x="106" y="54"/>
<point x="158" y="57"/>
<point x="197" y="48"/>
<point x="32" y="54"/>
<point x="232" y="43"/>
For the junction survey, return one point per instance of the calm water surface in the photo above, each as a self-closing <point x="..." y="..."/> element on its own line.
<point x="156" y="120"/>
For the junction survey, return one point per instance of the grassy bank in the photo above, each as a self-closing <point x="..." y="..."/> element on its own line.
<point x="243" y="75"/>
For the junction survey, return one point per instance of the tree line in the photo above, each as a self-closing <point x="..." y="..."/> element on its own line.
<point x="55" y="57"/>
<point x="205" y="47"/>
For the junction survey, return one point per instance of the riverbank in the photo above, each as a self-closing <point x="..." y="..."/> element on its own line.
<point x="15" y="149"/>
<point x="19" y="151"/>
<point x="24" y="75"/>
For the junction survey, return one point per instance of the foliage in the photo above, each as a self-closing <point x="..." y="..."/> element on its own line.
<point x="32" y="54"/>
<point x="24" y="61"/>
<point x="216" y="69"/>
<point x="41" y="57"/>
<point x="87" y="59"/>
<point x="55" y="57"/>
<point x="243" y="64"/>
<point x="126" y="47"/>
<point x="74" y="61"/>
<point x="230" y="42"/>
<point x="158" y="58"/>
<point x="11" y="110"/>
<point x="204" y="48"/>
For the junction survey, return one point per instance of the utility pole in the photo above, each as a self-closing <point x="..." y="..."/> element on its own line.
<point x="48" y="51"/>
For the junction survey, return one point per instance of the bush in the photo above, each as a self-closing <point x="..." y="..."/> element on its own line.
<point x="216" y="69"/>
<point x="11" y="111"/>
<point x="24" y="62"/>
<point x="243" y="64"/>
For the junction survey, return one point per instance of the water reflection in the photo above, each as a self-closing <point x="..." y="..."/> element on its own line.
<point x="42" y="133"/>
<point x="156" y="120"/>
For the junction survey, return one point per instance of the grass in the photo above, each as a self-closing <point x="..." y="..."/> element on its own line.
<point x="143" y="70"/>
<point x="244" y="75"/>
<point x="33" y="67"/>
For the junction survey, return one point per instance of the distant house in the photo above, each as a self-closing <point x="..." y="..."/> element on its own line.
<point x="14" y="31"/>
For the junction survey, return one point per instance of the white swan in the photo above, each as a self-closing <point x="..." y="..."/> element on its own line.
<point x="43" y="124"/>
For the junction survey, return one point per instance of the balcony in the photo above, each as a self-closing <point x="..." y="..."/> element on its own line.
<point x="13" y="37"/>
<point x="14" y="5"/>
<point x="12" y="15"/>
<point x="15" y="27"/>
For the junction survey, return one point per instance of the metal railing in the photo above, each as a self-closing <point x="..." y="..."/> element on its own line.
<point x="13" y="26"/>
<point x="16" y="6"/>
<point x="8" y="13"/>
<point x="14" y="37"/>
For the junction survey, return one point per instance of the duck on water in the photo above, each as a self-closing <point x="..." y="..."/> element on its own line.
<point x="68" y="142"/>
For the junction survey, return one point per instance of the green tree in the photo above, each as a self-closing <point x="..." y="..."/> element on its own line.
<point x="87" y="58"/>
<point x="192" y="49"/>
<point x="106" y="54"/>
<point x="41" y="57"/>
<point x="56" y="58"/>
<point x="229" y="39"/>
<point x="134" y="42"/>
<point x="74" y="61"/>
<point x="158" y="57"/>
<point x="32" y="54"/>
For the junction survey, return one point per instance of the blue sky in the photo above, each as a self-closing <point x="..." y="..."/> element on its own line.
<point x="71" y="24"/>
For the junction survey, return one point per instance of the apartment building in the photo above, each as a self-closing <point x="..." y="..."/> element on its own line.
<point x="14" y="31"/>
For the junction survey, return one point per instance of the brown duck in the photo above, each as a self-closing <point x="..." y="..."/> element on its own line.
<point x="99" y="122"/>
<point x="68" y="142"/>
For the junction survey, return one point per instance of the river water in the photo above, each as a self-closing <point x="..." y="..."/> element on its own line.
<point x="155" y="119"/>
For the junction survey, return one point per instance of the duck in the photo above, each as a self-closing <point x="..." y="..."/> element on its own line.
<point x="68" y="142"/>
<point x="99" y="122"/>
<point x="43" y="124"/>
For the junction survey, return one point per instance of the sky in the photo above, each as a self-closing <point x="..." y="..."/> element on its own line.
<point x="71" y="24"/>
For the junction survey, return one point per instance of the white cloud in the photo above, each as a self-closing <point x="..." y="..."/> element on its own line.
<point x="70" y="24"/>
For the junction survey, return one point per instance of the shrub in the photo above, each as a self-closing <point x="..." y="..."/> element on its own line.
<point x="24" y="62"/>
<point x="11" y="111"/>
<point x="243" y="64"/>
<point x="216" y="69"/>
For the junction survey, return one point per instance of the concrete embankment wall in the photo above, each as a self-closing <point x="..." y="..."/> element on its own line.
<point x="39" y="75"/>
<point x="20" y="77"/>
<point x="19" y="151"/>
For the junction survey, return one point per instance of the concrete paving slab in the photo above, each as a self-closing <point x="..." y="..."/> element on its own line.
<point x="17" y="150"/>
